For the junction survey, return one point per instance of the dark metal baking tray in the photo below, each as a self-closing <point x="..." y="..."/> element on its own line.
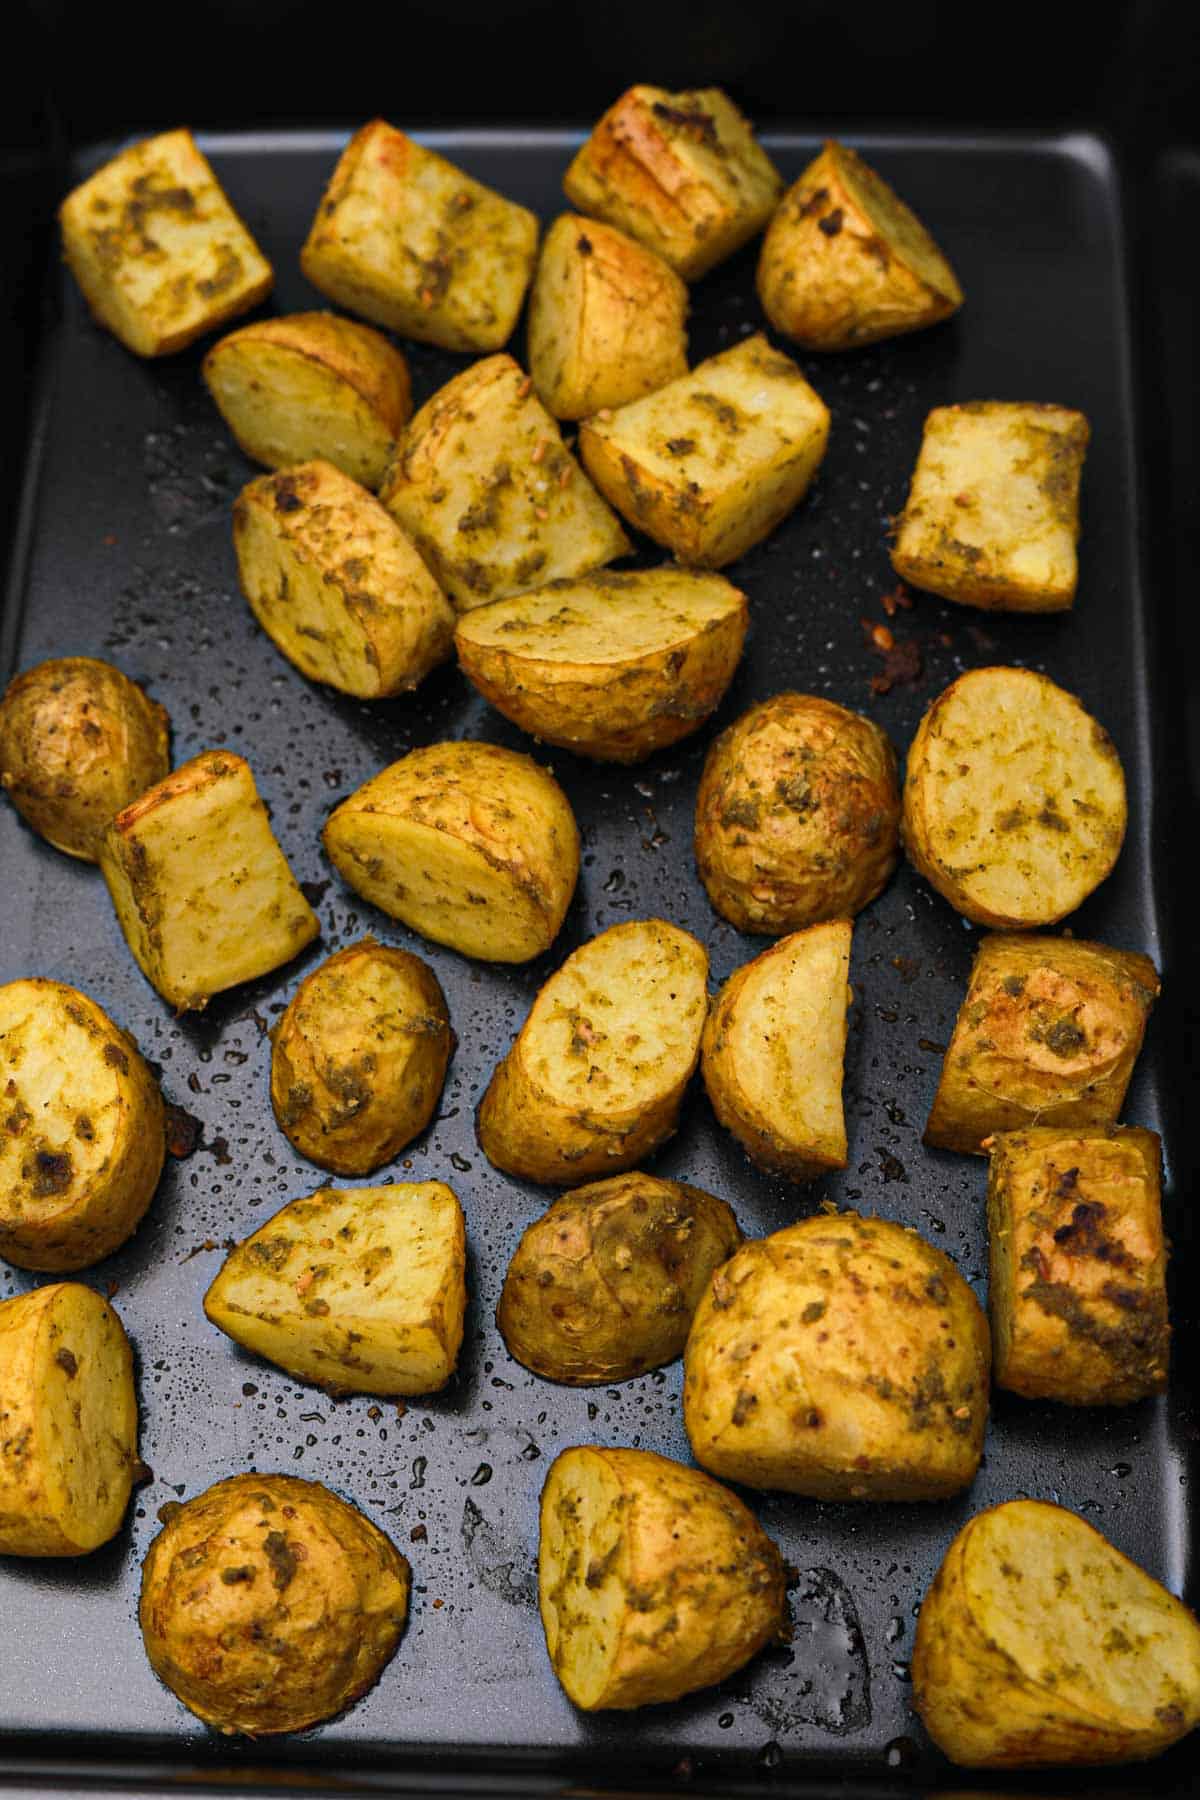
<point x="124" y="551"/>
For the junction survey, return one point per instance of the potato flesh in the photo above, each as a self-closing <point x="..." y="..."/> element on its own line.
<point x="583" y="1530"/>
<point x="897" y="225"/>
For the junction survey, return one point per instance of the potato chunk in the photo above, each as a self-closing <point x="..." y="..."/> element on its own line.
<point x="992" y="516"/>
<point x="845" y="262"/>
<point x="359" y="1057"/>
<point x="1014" y="799"/>
<point x="614" y="666"/>
<point x="711" y="463"/>
<point x="843" y="1358"/>
<point x="682" y="173"/>
<point x="1039" y="1643"/>
<point x="1077" y="1290"/>
<point x="653" y="1580"/>
<point x="336" y="584"/>
<point x="78" y="741"/>
<point x="603" y="1286"/>
<point x="774" y="1047"/>
<point x="312" y="385"/>
<point x="490" y="494"/>
<point x="359" y="1290"/>
<point x="596" y="1077"/>
<point x="202" y="890"/>
<point x="1047" y="1034"/>
<point x="68" y="1422"/>
<point x="410" y="241"/>
<point x="158" y="251"/>
<point x="469" y="844"/>
<point x="81" y="1129"/>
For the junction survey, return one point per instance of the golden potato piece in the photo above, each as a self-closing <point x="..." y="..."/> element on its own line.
<point x="603" y="1286"/>
<point x="68" y="1422"/>
<point x="1039" y="1643"/>
<point x="682" y="173"/>
<point x="1047" y="1034"/>
<point x="469" y="844"/>
<point x="312" y="385"/>
<point x="82" y="1138"/>
<point x="992" y="516"/>
<point x="158" y="251"/>
<point x="268" y="1604"/>
<point x="843" y="1358"/>
<point x="1077" y="1290"/>
<point x="202" y="890"/>
<point x="1014" y="799"/>
<point x="711" y="463"/>
<point x="797" y="815"/>
<point x="845" y="262"/>
<point x="78" y="741"/>
<point x="614" y="666"/>
<point x="597" y="1074"/>
<point x="359" y="1290"/>
<point x="410" y="241"/>
<point x="336" y="585"/>
<point x="653" y="1580"/>
<point x="774" y="1048"/>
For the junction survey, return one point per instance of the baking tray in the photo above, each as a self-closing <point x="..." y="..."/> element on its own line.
<point x="124" y="551"/>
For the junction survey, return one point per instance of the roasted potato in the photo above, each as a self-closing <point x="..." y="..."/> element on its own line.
<point x="82" y="1139"/>
<point x="797" y="815"/>
<point x="490" y="494"/>
<point x="469" y="844"/>
<point x="68" y="1422"/>
<point x="603" y="1286"/>
<point x="682" y="173"/>
<point x="1077" y="1291"/>
<point x="597" y="1074"/>
<point x="1039" y="1643"/>
<point x="1048" y="1034"/>
<point x="614" y="666"/>
<point x="78" y="741"/>
<point x="992" y="516"/>
<point x="843" y="1358"/>
<point x="158" y="251"/>
<point x="845" y="263"/>
<point x="312" y="385"/>
<point x="773" y="1051"/>
<point x="409" y="240"/>
<point x="336" y="584"/>
<point x="1014" y="799"/>
<point x="268" y="1604"/>
<point x="359" y="1290"/>
<point x="711" y="463"/>
<point x="202" y="890"/>
<point x="653" y="1580"/>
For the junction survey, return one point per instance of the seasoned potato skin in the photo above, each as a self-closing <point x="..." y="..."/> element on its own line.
<point x="603" y="1286"/>
<point x="269" y="1604"/>
<point x="78" y="741"/>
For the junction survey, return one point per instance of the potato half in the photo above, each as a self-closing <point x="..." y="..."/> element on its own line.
<point x="653" y="1580"/>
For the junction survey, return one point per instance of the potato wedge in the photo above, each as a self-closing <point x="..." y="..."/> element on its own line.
<point x="158" y="251"/>
<point x="1014" y="799"/>
<point x="336" y="584"/>
<point x="473" y="846"/>
<point x="614" y="666"/>
<point x="68" y="1422"/>
<point x="710" y="464"/>
<point x="1039" y="1643"/>
<point x="597" y="1074"/>
<point x="78" y="741"/>
<point x="653" y="1580"/>
<point x="843" y="1358"/>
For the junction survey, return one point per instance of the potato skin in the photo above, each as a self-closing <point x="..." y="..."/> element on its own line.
<point x="78" y="741"/>
<point x="603" y="1286"/>
<point x="269" y="1604"/>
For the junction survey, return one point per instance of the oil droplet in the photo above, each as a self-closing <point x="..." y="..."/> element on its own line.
<point x="900" y="1671"/>
<point x="895" y="1631"/>
<point x="901" y="1753"/>
<point x="482" y="1475"/>
<point x="725" y="1721"/>
<point x="770" y="1756"/>
<point x="420" y="1464"/>
<point x="1121" y="1470"/>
